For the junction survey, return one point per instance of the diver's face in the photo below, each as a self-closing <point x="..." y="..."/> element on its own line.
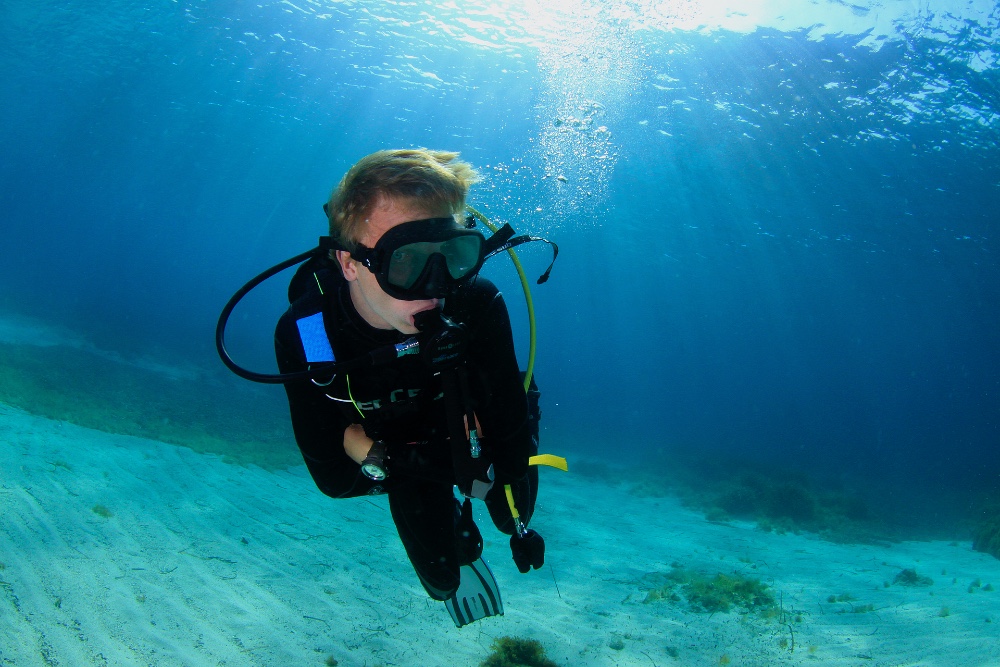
<point x="376" y="307"/>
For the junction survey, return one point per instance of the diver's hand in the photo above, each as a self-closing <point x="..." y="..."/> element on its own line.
<point x="356" y="443"/>
<point x="528" y="551"/>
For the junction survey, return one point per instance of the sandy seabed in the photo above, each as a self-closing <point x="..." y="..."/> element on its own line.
<point x="120" y="551"/>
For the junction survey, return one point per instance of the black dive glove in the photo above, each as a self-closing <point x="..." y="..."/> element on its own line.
<point x="528" y="550"/>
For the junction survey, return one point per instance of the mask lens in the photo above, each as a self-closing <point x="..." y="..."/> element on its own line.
<point x="407" y="262"/>
<point x="462" y="254"/>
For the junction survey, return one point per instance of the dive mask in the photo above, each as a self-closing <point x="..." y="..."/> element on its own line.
<point x="424" y="259"/>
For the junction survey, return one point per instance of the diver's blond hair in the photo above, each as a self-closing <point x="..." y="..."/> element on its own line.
<point x="437" y="179"/>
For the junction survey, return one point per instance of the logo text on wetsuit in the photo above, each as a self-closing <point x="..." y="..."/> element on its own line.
<point x="395" y="396"/>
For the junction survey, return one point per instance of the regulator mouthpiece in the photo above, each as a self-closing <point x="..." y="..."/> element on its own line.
<point x="442" y="340"/>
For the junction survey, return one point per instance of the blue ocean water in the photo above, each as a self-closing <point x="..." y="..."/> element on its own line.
<point x="777" y="229"/>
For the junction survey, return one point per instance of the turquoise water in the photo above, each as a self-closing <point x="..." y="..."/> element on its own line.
<point x="777" y="224"/>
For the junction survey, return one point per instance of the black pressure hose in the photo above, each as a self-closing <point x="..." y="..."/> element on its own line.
<point x="323" y="370"/>
<point x="436" y="343"/>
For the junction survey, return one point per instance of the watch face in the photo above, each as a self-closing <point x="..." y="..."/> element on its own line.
<point x="373" y="471"/>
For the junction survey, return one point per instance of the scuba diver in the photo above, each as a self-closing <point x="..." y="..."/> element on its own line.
<point x="398" y="362"/>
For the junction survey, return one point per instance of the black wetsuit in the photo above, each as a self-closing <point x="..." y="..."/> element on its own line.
<point x="402" y="403"/>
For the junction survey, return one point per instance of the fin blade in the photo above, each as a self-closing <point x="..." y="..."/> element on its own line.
<point x="478" y="595"/>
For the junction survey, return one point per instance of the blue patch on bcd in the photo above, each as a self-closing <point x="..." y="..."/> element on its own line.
<point x="314" y="340"/>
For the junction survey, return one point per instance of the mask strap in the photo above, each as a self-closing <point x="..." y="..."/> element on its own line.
<point x="504" y="240"/>
<point x="493" y="244"/>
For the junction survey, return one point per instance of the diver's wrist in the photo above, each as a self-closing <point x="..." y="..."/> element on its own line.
<point x="374" y="465"/>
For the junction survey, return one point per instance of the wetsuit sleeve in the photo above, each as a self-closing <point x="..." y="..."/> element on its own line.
<point x="502" y="405"/>
<point x="318" y="425"/>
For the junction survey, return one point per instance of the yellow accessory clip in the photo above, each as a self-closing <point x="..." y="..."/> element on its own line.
<point x="550" y="460"/>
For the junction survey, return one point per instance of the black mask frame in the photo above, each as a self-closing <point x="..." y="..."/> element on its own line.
<point x="423" y="259"/>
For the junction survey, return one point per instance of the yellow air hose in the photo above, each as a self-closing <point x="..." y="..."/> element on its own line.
<point x="527" y="296"/>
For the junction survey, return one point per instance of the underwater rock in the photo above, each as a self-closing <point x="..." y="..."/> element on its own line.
<point x="986" y="537"/>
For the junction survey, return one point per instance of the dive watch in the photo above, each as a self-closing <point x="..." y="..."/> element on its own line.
<point x="373" y="467"/>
